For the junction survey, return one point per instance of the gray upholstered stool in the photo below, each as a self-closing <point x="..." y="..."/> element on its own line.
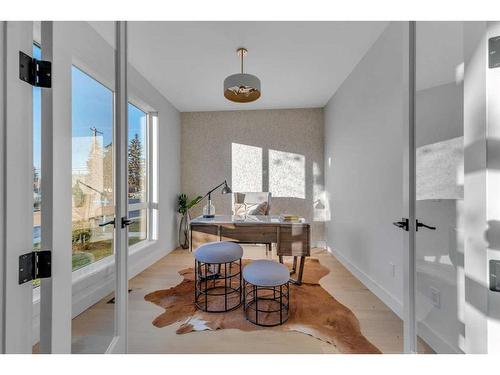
<point x="266" y="293"/>
<point x="218" y="276"/>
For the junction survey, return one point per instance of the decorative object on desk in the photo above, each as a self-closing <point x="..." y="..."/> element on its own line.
<point x="209" y="209"/>
<point x="242" y="87"/>
<point x="290" y="218"/>
<point x="331" y="322"/>
<point x="183" y="207"/>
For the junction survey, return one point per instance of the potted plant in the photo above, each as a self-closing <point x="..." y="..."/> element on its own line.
<point x="183" y="208"/>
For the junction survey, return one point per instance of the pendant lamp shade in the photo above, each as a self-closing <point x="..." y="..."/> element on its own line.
<point x="242" y="87"/>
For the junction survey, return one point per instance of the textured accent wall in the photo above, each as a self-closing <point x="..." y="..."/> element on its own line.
<point x="263" y="150"/>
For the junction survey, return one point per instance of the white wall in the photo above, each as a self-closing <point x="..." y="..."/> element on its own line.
<point x="363" y="166"/>
<point x="84" y="47"/>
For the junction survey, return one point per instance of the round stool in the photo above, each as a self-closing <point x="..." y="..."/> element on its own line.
<point x="266" y="293"/>
<point x="217" y="269"/>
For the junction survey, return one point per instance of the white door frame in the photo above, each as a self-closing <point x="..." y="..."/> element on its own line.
<point x="409" y="187"/>
<point x="56" y="292"/>
<point x="119" y="343"/>
<point x="17" y="179"/>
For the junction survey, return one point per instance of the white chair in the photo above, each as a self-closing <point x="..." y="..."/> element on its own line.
<point x="248" y="203"/>
<point x="252" y="203"/>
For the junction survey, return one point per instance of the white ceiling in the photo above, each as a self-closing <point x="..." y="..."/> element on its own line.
<point x="300" y="64"/>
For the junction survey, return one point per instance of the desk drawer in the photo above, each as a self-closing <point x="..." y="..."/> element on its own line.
<point x="249" y="233"/>
<point x="294" y="240"/>
<point x="203" y="233"/>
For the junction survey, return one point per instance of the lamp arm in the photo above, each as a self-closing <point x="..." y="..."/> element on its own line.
<point x="215" y="188"/>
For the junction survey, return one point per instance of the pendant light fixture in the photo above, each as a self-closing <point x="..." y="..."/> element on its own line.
<point x="242" y="87"/>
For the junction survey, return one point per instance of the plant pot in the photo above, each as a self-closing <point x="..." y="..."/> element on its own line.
<point x="184" y="230"/>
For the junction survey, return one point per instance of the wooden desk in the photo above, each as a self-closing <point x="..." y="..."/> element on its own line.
<point x="291" y="239"/>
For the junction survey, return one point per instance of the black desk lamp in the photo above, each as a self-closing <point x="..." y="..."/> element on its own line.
<point x="209" y="210"/>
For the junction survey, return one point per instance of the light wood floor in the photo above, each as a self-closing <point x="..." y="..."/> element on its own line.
<point x="92" y="329"/>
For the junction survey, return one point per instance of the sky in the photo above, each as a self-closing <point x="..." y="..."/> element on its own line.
<point x="92" y="106"/>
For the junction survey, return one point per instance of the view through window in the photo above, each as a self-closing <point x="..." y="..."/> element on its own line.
<point x="92" y="171"/>
<point x="137" y="172"/>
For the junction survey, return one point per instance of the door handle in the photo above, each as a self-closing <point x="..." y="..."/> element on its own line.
<point x="125" y="222"/>
<point x="422" y="225"/>
<point x="111" y="222"/>
<point x="402" y="224"/>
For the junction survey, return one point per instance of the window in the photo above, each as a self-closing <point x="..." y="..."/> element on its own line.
<point x="137" y="174"/>
<point x="92" y="171"/>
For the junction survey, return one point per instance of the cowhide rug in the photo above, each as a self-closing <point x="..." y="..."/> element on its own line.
<point x="313" y="311"/>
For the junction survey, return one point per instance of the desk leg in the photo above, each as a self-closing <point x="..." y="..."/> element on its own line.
<point x="301" y="270"/>
<point x="281" y="258"/>
<point x="294" y="268"/>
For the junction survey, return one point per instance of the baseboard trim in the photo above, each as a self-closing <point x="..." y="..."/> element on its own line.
<point x="392" y="302"/>
<point x="319" y="243"/>
<point x="435" y="341"/>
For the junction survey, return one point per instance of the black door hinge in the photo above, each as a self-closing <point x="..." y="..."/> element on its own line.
<point x="35" y="265"/>
<point x="36" y="72"/>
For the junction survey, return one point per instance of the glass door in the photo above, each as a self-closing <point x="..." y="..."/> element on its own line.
<point x="439" y="168"/>
<point x="83" y="206"/>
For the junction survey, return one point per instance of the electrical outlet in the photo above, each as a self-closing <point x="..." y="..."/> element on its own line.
<point x="435" y="297"/>
<point x="393" y="269"/>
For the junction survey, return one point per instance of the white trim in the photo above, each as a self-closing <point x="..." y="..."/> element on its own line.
<point x="120" y="168"/>
<point x="318" y="243"/>
<point x="409" y="200"/>
<point x="435" y="341"/>
<point x="3" y="125"/>
<point x="392" y="302"/>
<point x="17" y="191"/>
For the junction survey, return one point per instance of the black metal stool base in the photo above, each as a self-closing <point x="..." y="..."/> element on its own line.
<point x="217" y="286"/>
<point x="266" y="306"/>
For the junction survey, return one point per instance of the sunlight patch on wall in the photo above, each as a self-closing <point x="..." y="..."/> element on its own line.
<point x="246" y="168"/>
<point x="287" y="174"/>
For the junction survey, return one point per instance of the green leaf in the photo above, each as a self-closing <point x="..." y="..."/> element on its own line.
<point x="194" y="202"/>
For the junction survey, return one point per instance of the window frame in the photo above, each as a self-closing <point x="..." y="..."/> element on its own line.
<point x="150" y="202"/>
